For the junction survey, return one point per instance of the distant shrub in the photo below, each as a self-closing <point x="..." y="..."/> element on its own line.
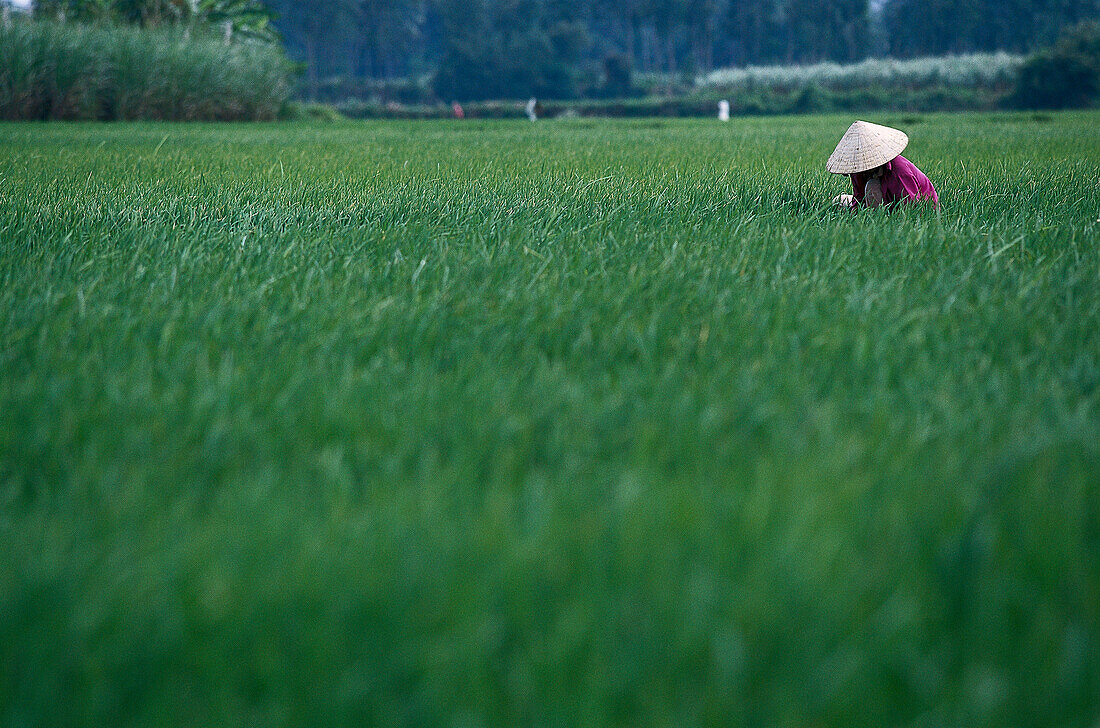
<point x="359" y="109"/>
<point x="1065" y="76"/>
<point x="299" y="111"/>
<point x="618" y="76"/>
<point x="81" y="72"/>
<point x="415" y="90"/>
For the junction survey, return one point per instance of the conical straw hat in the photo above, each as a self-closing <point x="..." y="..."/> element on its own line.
<point x="866" y="146"/>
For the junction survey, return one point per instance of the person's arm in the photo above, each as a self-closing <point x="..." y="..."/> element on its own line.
<point x="872" y="193"/>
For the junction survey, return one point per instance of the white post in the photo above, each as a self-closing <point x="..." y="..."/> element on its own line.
<point x="228" y="25"/>
<point x="723" y="110"/>
<point x="7" y="15"/>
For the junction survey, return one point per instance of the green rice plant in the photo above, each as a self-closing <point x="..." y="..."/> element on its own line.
<point x="68" y="71"/>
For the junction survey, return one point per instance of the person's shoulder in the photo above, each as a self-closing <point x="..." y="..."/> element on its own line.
<point x="903" y="167"/>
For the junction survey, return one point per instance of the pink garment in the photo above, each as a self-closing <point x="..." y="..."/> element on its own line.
<point x="901" y="182"/>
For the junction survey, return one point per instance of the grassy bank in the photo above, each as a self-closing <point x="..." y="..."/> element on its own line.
<point x="585" y="423"/>
<point x="51" y="71"/>
<point x="759" y="102"/>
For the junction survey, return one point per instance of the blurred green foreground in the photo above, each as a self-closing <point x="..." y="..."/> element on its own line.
<point x="561" y="424"/>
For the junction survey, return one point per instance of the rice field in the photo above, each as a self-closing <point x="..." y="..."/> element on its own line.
<point x="557" y="424"/>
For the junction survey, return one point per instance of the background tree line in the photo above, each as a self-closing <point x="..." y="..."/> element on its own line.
<point x="477" y="49"/>
<point x="502" y="48"/>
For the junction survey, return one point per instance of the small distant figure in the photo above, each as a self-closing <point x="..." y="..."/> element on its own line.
<point x="871" y="155"/>
<point x="456" y="109"/>
<point x="533" y="109"/>
<point x="723" y="110"/>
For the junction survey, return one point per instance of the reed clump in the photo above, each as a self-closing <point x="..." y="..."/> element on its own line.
<point x="76" y="72"/>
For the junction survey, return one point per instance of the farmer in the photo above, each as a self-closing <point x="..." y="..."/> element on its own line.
<point x="871" y="155"/>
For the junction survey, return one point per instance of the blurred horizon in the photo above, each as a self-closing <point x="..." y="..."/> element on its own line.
<point x="492" y="49"/>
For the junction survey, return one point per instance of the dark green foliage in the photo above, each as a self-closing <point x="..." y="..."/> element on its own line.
<point x="836" y="30"/>
<point x="512" y="48"/>
<point x="560" y="424"/>
<point x="245" y="18"/>
<point x="618" y="76"/>
<point x="1066" y="76"/>
<point x="938" y="27"/>
<point x="310" y="27"/>
<point x="76" y="72"/>
<point x="495" y="50"/>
